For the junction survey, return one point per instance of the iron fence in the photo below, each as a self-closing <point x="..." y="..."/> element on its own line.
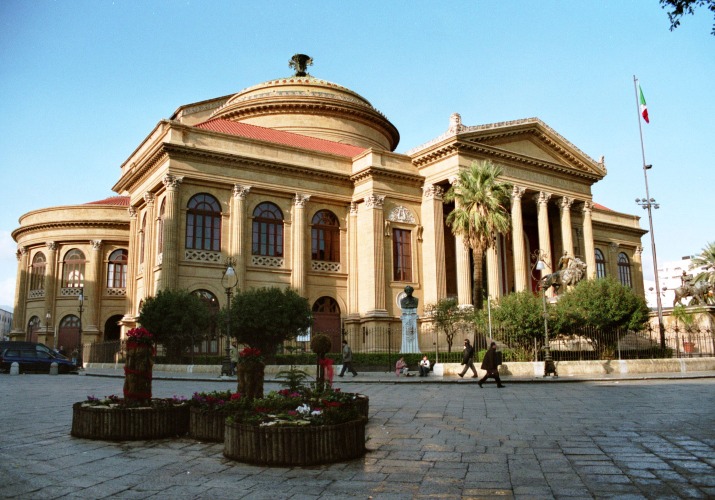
<point x="582" y="344"/>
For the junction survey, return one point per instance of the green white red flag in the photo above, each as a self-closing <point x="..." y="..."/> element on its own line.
<point x="643" y="106"/>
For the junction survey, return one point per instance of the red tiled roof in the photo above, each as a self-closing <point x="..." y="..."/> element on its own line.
<point x="116" y="201"/>
<point x="601" y="207"/>
<point x="280" y="137"/>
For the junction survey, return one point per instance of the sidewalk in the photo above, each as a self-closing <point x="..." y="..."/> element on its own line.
<point x="391" y="378"/>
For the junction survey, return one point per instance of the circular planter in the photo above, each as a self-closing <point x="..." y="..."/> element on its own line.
<point x="127" y="424"/>
<point x="287" y="445"/>
<point x="362" y="404"/>
<point x="207" y="425"/>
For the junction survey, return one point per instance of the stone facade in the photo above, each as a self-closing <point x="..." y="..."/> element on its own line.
<point x="297" y="181"/>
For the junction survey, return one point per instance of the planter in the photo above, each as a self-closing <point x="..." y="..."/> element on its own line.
<point x="207" y="425"/>
<point x="362" y="404"/>
<point x="291" y="445"/>
<point x="688" y="347"/>
<point x="127" y="424"/>
<point x="250" y="379"/>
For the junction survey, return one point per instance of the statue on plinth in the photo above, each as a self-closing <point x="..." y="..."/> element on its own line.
<point x="408" y="304"/>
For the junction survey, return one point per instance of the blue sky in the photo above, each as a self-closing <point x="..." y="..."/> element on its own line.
<point x="83" y="82"/>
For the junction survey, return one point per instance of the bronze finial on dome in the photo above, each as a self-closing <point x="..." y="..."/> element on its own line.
<point x="300" y="62"/>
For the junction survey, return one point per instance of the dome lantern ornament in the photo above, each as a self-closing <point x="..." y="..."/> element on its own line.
<point x="300" y="63"/>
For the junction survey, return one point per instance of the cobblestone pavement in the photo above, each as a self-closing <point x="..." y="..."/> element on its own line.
<point x="610" y="439"/>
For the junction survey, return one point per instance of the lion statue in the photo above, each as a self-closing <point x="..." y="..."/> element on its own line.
<point x="572" y="273"/>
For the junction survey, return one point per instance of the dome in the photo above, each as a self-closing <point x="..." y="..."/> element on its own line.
<point x="313" y="107"/>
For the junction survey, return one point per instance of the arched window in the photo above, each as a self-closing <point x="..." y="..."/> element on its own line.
<point x="600" y="264"/>
<point x="73" y="269"/>
<point x="37" y="274"/>
<point x="267" y="230"/>
<point x="117" y="269"/>
<point x="142" y="240"/>
<point x="160" y="228"/>
<point x="33" y="326"/>
<point x="203" y="223"/>
<point x="209" y="344"/>
<point x="325" y="237"/>
<point x="624" y="270"/>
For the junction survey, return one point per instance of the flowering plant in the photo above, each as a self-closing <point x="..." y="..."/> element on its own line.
<point x="250" y="355"/>
<point x="137" y="337"/>
<point x="218" y="400"/>
<point x="114" y="401"/>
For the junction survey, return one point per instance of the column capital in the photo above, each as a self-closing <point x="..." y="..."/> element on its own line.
<point x="613" y="247"/>
<point x="638" y="251"/>
<point x="432" y="192"/>
<point x="375" y="201"/>
<point x="51" y="245"/>
<point x="587" y="206"/>
<point x="565" y="203"/>
<point x="172" y="181"/>
<point x="240" y="191"/>
<point x="517" y="192"/>
<point x="300" y="200"/>
<point x="353" y="208"/>
<point x="149" y="198"/>
<point x="132" y="211"/>
<point x="96" y="244"/>
<point x="21" y="251"/>
<point x="543" y="197"/>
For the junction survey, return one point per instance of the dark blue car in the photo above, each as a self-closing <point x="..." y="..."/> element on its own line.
<point x="33" y="358"/>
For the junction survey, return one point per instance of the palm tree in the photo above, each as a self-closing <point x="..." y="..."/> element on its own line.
<point x="480" y="213"/>
<point x="706" y="259"/>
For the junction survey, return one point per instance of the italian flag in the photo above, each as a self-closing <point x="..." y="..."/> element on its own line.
<point x="644" y="107"/>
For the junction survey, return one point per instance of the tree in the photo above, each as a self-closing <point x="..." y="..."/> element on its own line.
<point x="177" y="319"/>
<point x="263" y="318"/>
<point x="522" y="314"/>
<point x="706" y="259"/>
<point x="604" y="304"/>
<point x="681" y="7"/>
<point x="480" y="213"/>
<point x="445" y="314"/>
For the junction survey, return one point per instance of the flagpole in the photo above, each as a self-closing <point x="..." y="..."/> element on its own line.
<point x="648" y="204"/>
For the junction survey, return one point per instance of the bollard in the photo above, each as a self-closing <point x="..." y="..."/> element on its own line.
<point x="53" y="369"/>
<point x="15" y="368"/>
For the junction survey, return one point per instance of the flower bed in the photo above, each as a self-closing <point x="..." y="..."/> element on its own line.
<point x="117" y="421"/>
<point x="209" y="411"/>
<point x="294" y="445"/>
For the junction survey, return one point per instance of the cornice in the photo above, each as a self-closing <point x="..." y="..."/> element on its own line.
<point x="47" y="226"/>
<point x="139" y="173"/>
<point x="383" y="173"/>
<point x="618" y="228"/>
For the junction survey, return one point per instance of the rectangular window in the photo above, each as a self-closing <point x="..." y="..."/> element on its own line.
<point x="401" y="255"/>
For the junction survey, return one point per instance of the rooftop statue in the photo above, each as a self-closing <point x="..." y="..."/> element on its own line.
<point x="300" y="63"/>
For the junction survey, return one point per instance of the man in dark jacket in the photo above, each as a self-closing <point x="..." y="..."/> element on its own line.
<point x="468" y="359"/>
<point x="491" y="363"/>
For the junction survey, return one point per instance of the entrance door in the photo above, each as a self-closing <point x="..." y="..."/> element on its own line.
<point x="68" y="334"/>
<point x="326" y="319"/>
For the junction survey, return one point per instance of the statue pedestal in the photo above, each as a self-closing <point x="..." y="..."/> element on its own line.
<point x="409" y="331"/>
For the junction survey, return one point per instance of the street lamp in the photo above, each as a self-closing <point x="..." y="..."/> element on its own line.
<point x="79" y="348"/>
<point x="649" y="204"/>
<point x="540" y="265"/>
<point x="48" y="318"/>
<point x="229" y="280"/>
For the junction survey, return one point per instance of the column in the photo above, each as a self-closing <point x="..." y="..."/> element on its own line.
<point x="238" y="246"/>
<point x="566" y="231"/>
<point x="170" y="250"/>
<point x="299" y="238"/>
<point x="589" y="246"/>
<point x="150" y="256"/>
<point x="434" y="266"/>
<point x="493" y="272"/>
<point x="637" y="272"/>
<point x="542" y="207"/>
<point x="131" y="267"/>
<point x="612" y="260"/>
<point x="517" y="236"/>
<point x="51" y="277"/>
<point x="372" y="257"/>
<point x="92" y="293"/>
<point x="18" y="316"/>
<point x="353" y="277"/>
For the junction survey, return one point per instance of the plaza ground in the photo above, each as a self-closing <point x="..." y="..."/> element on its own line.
<point x="609" y="438"/>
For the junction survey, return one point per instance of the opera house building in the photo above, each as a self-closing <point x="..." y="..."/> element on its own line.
<point x="298" y="181"/>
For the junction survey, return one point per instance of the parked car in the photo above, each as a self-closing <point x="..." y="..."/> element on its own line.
<point x="33" y="357"/>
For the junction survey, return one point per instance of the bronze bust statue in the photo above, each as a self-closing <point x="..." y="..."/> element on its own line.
<point x="409" y="302"/>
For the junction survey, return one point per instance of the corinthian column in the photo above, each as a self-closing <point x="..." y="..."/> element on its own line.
<point x="493" y="271"/>
<point x="170" y="250"/>
<point x="238" y="233"/>
<point x="435" y="284"/>
<point x="372" y="258"/>
<point x="299" y="237"/>
<point x="131" y="266"/>
<point x="18" y="316"/>
<point x="149" y="248"/>
<point x="517" y="236"/>
<point x="566" y="237"/>
<point x="542" y="205"/>
<point x="93" y="292"/>
<point x="589" y="246"/>
<point x="50" y="276"/>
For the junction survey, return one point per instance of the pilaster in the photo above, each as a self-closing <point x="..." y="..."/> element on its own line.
<point x="237" y="243"/>
<point x="170" y="250"/>
<point x="434" y="267"/>
<point x="589" y="246"/>
<point x="299" y="238"/>
<point x="517" y="234"/>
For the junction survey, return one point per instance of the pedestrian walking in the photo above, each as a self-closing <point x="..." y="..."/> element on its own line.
<point x="468" y="359"/>
<point x="234" y="357"/>
<point x="490" y="363"/>
<point x="347" y="360"/>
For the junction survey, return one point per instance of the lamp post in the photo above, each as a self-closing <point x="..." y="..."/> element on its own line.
<point x="649" y="204"/>
<point x="79" y="347"/>
<point x="229" y="280"/>
<point x="48" y="318"/>
<point x="540" y="265"/>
